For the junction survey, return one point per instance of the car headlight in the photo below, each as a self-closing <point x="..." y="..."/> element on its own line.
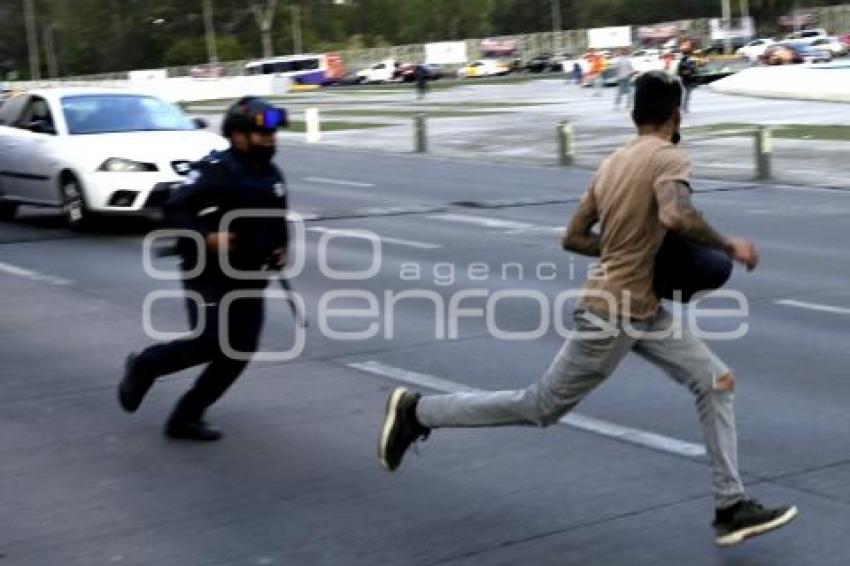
<point x="119" y="165"/>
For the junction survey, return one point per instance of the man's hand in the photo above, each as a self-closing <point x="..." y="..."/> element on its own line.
<point x="220" y="241"/>
<point x="744" y="252"/>
<point x="579" y="236"/>
<point x="279" y="257"/>
<point x="676" y="212"/>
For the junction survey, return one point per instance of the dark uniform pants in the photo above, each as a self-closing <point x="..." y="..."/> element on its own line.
<point x="244" y="324"/>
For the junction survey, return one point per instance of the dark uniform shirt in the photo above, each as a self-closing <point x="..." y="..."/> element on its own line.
<point x="221" y="183"/>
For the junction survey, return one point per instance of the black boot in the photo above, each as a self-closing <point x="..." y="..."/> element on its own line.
<point x="187" y="423"/>
<point x="134" y="385"/>
<point x="192" y="430"/>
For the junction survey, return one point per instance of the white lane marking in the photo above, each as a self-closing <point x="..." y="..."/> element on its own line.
<point x="384" y="239"/>
<point x="17" y="271"/>
<point x="537" y="229"/>
<point x="483" y="221"/>
<point x="509" y="227"/>
<point x="724" y="166"/>
<point x="341" y="182"/>
<point x="588" y="424"/>
<point x="813" y="306"/>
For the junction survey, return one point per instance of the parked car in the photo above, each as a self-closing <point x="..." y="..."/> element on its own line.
<point x="831" y="44"/>
<point x="435" y="72"/>
<point x="789" y="53"/>
<point x="407" y="72"/>
<point x="754" y="49"/>
<point x="5" y="95"/>
<point x="644" y="60"/>
<point x="807" y="36"/>
<point x="544" y="63"/>
<point x="381" y="72"/>
<point x="484" y="68"/>
<point x="93" y="151"/>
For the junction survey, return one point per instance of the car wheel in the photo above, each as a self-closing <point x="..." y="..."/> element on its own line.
<point x="8" y="210"/>
<point x="74" y="204"/>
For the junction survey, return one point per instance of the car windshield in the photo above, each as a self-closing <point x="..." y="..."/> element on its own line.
<point x="108" y="113"/>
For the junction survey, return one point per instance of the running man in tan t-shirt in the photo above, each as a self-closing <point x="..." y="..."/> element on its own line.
<point x="639" y="194"/>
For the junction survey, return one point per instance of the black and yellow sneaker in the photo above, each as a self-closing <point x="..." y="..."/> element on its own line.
<point x="401" y="428"/>
<point x="747" y="519"/>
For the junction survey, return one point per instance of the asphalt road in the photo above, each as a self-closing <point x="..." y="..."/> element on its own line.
<point x="296" y="480"/>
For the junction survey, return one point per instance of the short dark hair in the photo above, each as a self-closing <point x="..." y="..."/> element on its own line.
<point x="657" y="95"/>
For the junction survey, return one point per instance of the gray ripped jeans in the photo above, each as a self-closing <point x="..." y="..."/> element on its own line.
<point x="587" y="358"/>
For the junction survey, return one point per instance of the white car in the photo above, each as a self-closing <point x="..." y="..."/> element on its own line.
<point x="807" y="36"/>
<point x="382" y="72"/>
<point x="754" y="50"/>
<point x="645" y="60"/>
<point x="95" y="151"/>
<point x="831" y="44"/>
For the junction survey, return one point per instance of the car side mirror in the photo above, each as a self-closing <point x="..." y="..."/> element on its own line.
<point x="200" y="123"/>
<point x="41" y="127"/>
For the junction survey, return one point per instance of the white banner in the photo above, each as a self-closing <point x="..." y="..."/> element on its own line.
<point x="446" y="53"/>
<point x="737" y="28"/>
<point x="607" y="38"/>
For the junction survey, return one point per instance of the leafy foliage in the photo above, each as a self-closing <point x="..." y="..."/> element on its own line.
<point x="113" y="35"/>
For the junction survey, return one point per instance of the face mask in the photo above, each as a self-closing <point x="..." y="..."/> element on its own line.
<point x="261" y="154"/>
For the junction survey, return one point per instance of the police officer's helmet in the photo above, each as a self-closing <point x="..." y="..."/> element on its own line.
<point x="253" y="114"/>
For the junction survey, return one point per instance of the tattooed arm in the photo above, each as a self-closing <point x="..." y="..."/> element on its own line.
<point x="677" y="213"/>
<point x="579" y="236"/>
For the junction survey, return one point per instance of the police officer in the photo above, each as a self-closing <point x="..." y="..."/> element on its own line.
<point x="238" y="179"/>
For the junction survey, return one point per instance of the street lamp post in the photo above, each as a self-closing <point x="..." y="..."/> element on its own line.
<point x="50" y="51"/>
<point x="296" y="29"/>
<point x="556" y="24"/>
<point x="209" y="27"/>
<point x="556" y="16"/>
<point x="726" y="26"/>
<point x="32" y="40"/>
<point x="265" y="19"/>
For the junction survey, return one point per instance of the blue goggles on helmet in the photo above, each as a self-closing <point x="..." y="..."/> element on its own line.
<point x="271" y="119"/>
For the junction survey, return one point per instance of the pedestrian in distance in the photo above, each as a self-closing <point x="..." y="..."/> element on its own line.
<point x="687" y="71"/>
<point x="242" y="178"/>
<point x="642" y="192"/>
<point x="625" y="73"/>
<point x="578" y="74"/>
<point x="420" y="75"/>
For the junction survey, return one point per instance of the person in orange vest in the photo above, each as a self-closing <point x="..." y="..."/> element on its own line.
<point x="597" y="68"/>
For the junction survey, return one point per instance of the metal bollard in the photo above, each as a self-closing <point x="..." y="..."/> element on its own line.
<point x="313" y="125"/>
<point x="420" y="133"/>
<point x="764" y="148"/>
<point x="566" y="143"/>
